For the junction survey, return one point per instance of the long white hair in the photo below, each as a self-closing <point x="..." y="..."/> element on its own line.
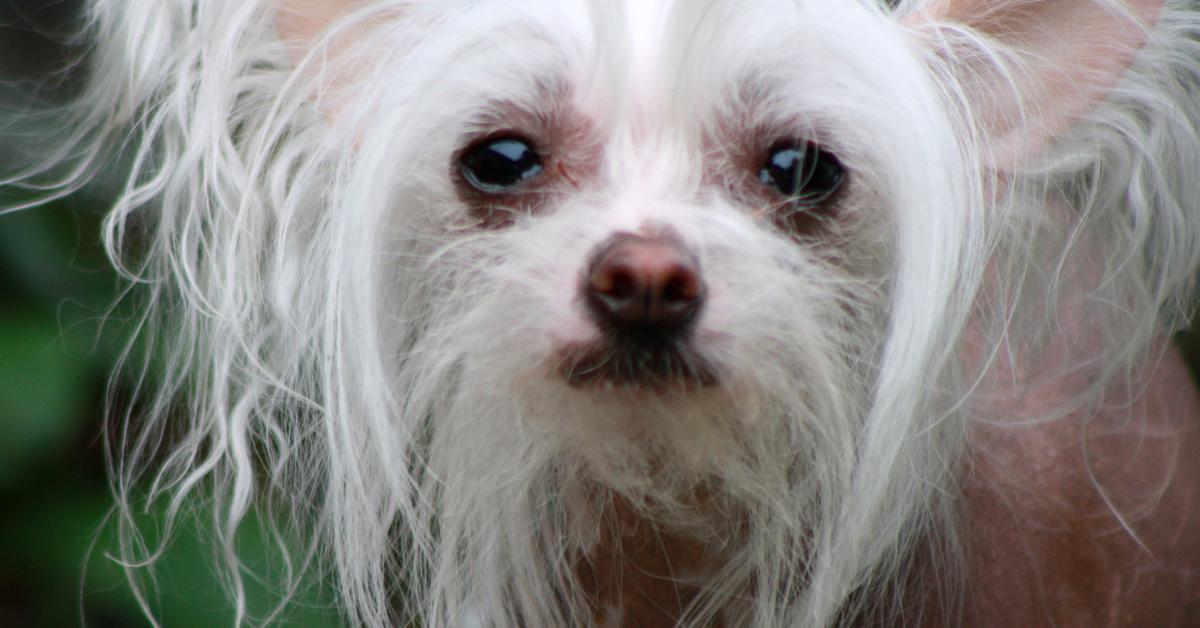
<point x="330" y="343"/>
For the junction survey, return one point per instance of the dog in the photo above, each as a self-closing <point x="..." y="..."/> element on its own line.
<point x="663" y="313"/>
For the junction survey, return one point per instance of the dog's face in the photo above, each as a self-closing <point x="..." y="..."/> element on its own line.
<point x="613" y="225"/>
<point x="677" y="253"/>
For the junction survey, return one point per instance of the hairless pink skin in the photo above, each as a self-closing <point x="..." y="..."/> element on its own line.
<point x="1045" y="546"/>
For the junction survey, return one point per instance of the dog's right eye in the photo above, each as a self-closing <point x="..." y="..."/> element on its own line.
<point x="499" y="164"/>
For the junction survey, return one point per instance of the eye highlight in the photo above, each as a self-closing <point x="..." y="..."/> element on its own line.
<point x="802" y="172"/>
<point x="498" y="165"/>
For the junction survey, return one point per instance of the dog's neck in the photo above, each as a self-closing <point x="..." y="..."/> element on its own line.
<point x="642" y="572"/>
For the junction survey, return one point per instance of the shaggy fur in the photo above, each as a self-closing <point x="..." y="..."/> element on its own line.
<point x="350" y="342"/>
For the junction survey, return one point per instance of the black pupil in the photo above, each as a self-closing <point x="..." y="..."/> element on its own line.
<point x="802" y="172"/>
<point x="500" y="165"/>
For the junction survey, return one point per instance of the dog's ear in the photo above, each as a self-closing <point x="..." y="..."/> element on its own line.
<point x="302" y="22"/>
<point x="306" y="30"/>
<point x="1068" y="55"/>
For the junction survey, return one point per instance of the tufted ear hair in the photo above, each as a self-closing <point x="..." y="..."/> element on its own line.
<point x="1046" y="62"/>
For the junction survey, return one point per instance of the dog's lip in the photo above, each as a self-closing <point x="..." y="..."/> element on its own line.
<point x="612" y="363"/>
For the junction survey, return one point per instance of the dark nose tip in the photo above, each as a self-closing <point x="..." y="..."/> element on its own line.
<point x="648" y="287"/>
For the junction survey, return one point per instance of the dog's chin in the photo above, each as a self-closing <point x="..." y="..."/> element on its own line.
<point x="638" y="366"/>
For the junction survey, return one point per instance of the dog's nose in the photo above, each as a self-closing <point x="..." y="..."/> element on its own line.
<point x="648" y="287"/>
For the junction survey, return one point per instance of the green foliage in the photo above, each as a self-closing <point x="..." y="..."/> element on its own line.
<point x="43" y="394"/>
<point x="59" y="342"/>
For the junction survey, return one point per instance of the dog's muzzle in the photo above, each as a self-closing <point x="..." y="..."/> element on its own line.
<point x="645" y="295"/>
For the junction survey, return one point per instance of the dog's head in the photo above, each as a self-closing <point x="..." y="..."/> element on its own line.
<point x="652" y="249"/>
<point x="665" y="223"/>
<point x="466" y="270"/>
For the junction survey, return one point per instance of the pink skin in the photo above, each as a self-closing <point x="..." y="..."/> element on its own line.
<point x="1074" y="72"/>
<point x="1046" y="547"/>
<point x="1082" y="516"/>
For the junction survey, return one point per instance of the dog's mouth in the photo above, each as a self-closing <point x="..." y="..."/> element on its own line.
<point x="635" y="365"/>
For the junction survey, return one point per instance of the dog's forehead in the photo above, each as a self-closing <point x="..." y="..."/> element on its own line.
<point x="673" y="55"/>
<point x="635" y="77"/>
<point x="668" y="38"/>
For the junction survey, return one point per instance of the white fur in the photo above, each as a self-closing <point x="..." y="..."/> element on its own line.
<point x="335" y="340"/>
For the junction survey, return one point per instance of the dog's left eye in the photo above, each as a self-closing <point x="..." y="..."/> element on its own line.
<point x="802" y="171"/>
<point x="499" y="164"/>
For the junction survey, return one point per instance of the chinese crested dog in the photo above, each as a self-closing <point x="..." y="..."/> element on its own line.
<point x="665" y="313"/>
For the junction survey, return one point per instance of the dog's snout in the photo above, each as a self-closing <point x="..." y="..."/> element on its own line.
<point x="649" y="287"/>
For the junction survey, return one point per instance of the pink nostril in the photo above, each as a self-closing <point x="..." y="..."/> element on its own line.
<point x="616" y="279"/>
<point x="644" y="285"/>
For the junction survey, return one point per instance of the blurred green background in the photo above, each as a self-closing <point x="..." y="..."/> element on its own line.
<point x="57" y="348"/>
<point x="59" y="343"/>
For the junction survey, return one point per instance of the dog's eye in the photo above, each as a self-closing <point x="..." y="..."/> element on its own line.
<point x="802" y="172"/>
<point x="499" y="164"/>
